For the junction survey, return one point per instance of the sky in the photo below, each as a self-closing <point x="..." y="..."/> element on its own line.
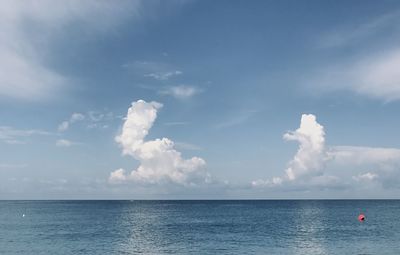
<point x="199" y="99"/>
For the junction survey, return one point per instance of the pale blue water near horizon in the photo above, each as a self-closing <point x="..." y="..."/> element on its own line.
<point x="200" y="227"/>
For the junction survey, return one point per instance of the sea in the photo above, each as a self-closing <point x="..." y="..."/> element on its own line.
<point x="200" y="227"/>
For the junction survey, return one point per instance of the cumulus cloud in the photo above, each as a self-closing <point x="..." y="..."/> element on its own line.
<point x="308" y="163"/>
<point x="159" y="161"/>
<point x="311" y="153"/>
<point x="316" y="165"/>
<point x="181" y="91"/>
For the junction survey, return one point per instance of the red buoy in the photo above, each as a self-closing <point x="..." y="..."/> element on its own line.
<point x="361" y="217"/>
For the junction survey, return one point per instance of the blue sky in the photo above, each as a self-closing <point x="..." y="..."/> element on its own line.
<point x="255" y="99"/>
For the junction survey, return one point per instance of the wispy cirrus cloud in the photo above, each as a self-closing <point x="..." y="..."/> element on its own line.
<point x="160" y="71"/>
<point x="356" y="34"/>
<point x="66" y="143"/>
<point x="92" y="119"/>
<point x="163" y="76"/>
<point x="29" y="29"/>
<point x="375" y="76"/>
<point x="180" y="91"/>
<point x="240" y="117"/>
<point x="19" y="136"/>
<point x="372" y="69"/>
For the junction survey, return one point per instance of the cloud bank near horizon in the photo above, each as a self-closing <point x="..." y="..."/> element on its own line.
<point x="316" y="165"/>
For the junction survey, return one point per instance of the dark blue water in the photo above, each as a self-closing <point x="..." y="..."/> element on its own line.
<point x="199" y="227"/>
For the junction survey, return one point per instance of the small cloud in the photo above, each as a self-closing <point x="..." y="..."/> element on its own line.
<point x="65" y="143"/>
<point x="163" y="76"/>
<point x="75" y="117"/>
<point x="117" y="176"/>
<point x="157" y="70"/>
<point x="63" y="126"/>
<point x="181" y="91"/>
<point x="99" y="119"/>
<point x="365" y="177"/>
<point x="267" y="183"/>
<point x="93" y="119"/>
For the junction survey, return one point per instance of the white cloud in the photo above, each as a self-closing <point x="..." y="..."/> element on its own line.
<point x="65" y="143"/>
<point x="163" y="76"/>
<point x="75" y="117"/>
<point x="118" y="175"/>
<point x="63" y="126"/>
<point x="267" y="183"/>
<point x="358" y="33"/>
<point x="28" y="29"/>
<point x="18" y="136"/>
<point x="159" y="161"/>
<point x="363" y="155"/>
<point x="373" y="72"/>
<point x="99" y="119"/>
<point x="311" y="153"/>
<point x="316" y="165"/>
<point x="92" y="119"/>
<point x="181" y="91"/>
<point x="157" y="70"/>
<point x="375" y="76"/>
<point x="379" y="76"/>
<point x="365" y="177"/>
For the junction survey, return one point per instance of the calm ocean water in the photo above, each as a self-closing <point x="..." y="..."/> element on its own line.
<point x="199" y="227"/>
